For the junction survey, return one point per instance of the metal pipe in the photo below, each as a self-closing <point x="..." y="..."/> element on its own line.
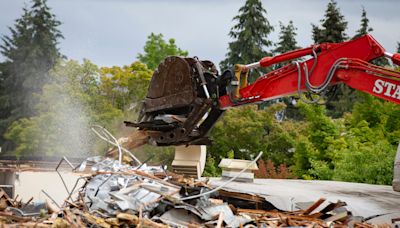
<point x="51" y="198"/>
<point x="107" y="133"/>
<point x="76" y="184"/>
<point x="206" y="91"/>
<point x="68" y="162"/>
<point x="388" y="54"/>
<point x="202" y="79"/>
<point x="253" y="65"/>
<point x="59" y="174"/>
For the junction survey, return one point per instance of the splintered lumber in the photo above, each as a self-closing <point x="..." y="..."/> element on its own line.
<point x="220" y="220"/>
<point x="332" y="206"/>
<point x="242" y="196"/>
<point x="148" y="223"/>
<point x="314" y="206"/>
<point x="134" y="140"/>
<point x="288" y="218"/>
<point x="151" y="197"/>
<point x="9" y="216"/>
<point x="8" y="200"/>
<point x="97" y="221"/>
<point x="128" y="217"/>
<point x="73" y="219"/>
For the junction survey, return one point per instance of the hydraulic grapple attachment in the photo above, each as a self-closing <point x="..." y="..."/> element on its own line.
<point x="181" y="105"/>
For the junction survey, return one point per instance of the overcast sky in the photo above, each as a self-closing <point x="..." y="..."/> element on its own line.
<point x="113" y="32"/>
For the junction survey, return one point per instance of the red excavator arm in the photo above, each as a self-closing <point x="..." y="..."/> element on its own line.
<point x="187" y="96"/>
<point x="331" y="64"/>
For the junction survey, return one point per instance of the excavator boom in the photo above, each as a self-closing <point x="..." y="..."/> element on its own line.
<point x="187" y="96"/>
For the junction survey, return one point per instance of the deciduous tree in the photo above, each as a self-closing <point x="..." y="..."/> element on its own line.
<point x="71" y="101"/>
<point x="125" y="86"/>
<point x="157" y="49"/>
<point x="246" y="131"/>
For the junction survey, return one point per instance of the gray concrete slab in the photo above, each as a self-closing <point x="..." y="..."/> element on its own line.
<point x="362" y="199"/>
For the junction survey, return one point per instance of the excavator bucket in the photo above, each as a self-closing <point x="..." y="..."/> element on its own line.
<point x="181" y="105"/>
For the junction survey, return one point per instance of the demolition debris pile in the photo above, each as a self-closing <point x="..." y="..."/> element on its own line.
<point x="120" y="195"/>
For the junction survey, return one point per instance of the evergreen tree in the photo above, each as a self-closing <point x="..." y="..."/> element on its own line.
<point x="398" y="47"/>
<point x="333" y="26"/>
<point x="333" y="30"/>
<point x="30" y="52"/>
<point x="287" y="39"/>
<point x="364" y="28"/>
<point x="287" y="42"/>
<point x="249" y="35"/>
<point x="2" y="92"/>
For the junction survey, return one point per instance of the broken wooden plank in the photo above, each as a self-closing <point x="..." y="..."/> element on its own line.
<point x="220" y="220"/>
<point x="314" y="206"/>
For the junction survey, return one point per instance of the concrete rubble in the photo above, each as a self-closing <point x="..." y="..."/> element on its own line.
<point x="115" y="194"/>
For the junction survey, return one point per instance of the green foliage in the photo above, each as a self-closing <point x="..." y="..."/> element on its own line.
<point x="76" y="97"/>
<point x="48" y="107"/>
<point x="30" y="52"/>
<point x="211" y="168"/>
<point x="371" y="140"/>
<point x="241" y="130"/>
<point x="322" y="129"/>
<point x="342" y="100"/>
<point x="250" y="35"/>
<point x="157" y="49"/>
<point x="69" y="103"/>
<point x="360" y="147"/>
<point x="3" y="97"/>
<point x="369" y="110"/>
<point x="368" y="158"/>
<point x="280" y="140"/>
<point x="313" y="154"/>
<point x="246" y="131"/>
<point x="320" y="169"/>
<point x="303" y="151"/>
<point x="125" y="86"/>
<point x="22" y="133"/>
<point x="333" y="26"/>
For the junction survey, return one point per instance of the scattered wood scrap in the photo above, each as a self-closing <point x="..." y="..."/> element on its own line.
<point x="153" y="197"/>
